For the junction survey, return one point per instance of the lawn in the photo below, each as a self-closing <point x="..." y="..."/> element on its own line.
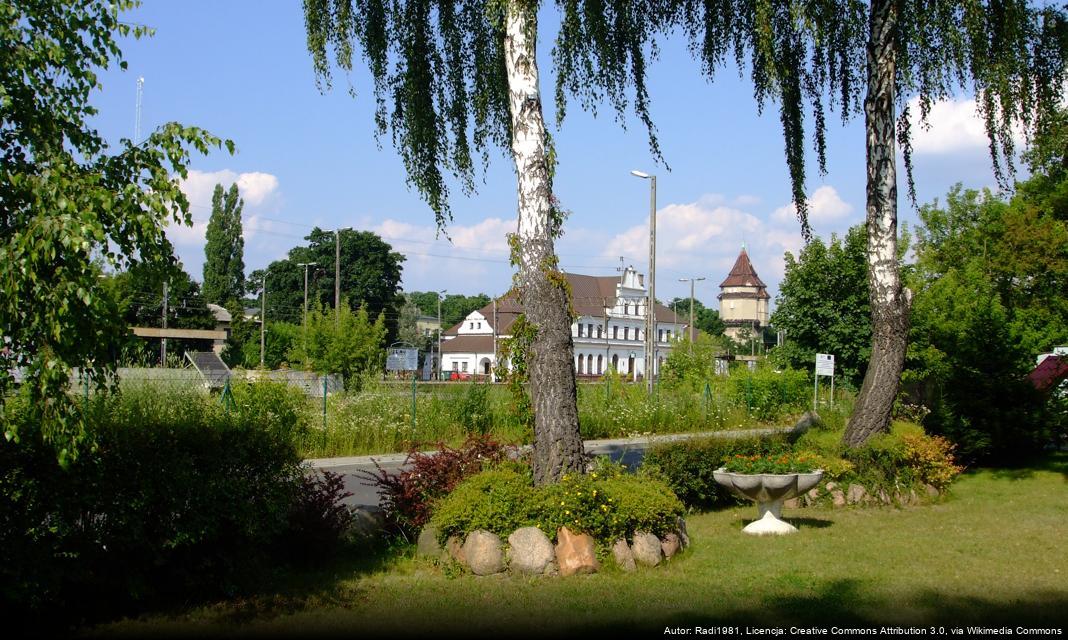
<point x="993" y="552"/>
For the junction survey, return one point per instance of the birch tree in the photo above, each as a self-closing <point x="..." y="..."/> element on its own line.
<point x="1012" y="55"/>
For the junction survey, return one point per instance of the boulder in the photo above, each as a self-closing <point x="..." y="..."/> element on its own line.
<point x="575" y="553"/>
<point x="427" y="546"/>
<point x="484" y="553"/>
<point x="812" y="497"/>
<point x="623" y="555"/>
<point x="670" y="544"/>
<point x="646" y="548"/>
<point x="792" y="503"/>
<point x="856" y="494"/>
<point x="454" y="546"/>
<point x="838" y="498"/>
<point x="531" y="551"/>
<point x="367" y="522"/>
<point x="932" y="491"/>
<point x="884" y="497"/>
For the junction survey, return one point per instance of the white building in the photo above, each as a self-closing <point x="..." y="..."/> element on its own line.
<point x="608" y="332"/>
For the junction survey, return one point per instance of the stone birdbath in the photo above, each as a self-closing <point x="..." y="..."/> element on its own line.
<point x="768" y="490"/>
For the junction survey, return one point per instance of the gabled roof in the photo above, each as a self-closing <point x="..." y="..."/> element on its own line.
<point x="1049" y="373"/>
<point x="589" y="294"/>
<point x="743" y="274"/>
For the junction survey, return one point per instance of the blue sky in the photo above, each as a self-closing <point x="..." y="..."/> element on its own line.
<point x="241" y="70"/>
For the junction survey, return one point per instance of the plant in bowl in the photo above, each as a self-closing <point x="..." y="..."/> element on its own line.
<point x="769" y="480"/>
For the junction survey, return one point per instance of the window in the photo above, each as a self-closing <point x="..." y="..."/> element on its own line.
<point x="589" y="330"/>
<point x="464" y="366"/>
<point x="471" y="325"/>
<point x="479" y="325"/>
<point x="626" y="309"/>
<point x="599" y="335"/>
<point x="456" y="366"/>
<point x="660" y="335"/>
<point x="626" y="333"/>
<point x="600" y="364"/>
<point x="615" y="332"/>
<point x="580" y="331"/>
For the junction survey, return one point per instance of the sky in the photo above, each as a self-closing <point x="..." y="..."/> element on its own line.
<point x="305" y="158"/>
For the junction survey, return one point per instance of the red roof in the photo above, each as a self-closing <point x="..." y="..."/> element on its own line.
<point x="1049" y="373"/>
<point x="743" y="274"/>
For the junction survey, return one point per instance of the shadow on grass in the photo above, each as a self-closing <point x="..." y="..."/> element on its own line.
<point x="1056" y="462"/>
<point x="800" y="523"/>
<point x="844" y="604"/>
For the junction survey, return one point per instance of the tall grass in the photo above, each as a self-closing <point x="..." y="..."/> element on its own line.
<point x="380" y="418"/>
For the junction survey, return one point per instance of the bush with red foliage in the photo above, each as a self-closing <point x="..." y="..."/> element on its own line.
<point x="408" y="497"/>
<point x="318" y="517"/>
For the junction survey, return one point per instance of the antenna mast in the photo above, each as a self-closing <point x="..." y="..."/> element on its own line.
<point x="137" y="109"/>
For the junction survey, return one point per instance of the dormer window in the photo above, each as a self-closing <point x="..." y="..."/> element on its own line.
<point x="626" y="309"/>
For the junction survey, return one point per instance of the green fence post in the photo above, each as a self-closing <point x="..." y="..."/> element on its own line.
<point x="413" y="402"/>
<point x="325" y="378"/>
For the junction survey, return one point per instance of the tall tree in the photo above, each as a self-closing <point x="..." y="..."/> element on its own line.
<point x="704" y="318"/>
<point x="1014" y="56"/>
<point x="224" y="252"/>
<point x="370" y="276"/>
<point x="67" y="204"/>
<point x="462" y="76"/>
<point x="822" y="306"/>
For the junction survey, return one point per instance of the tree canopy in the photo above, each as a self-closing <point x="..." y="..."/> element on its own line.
<point x="70" y="204"/>
<point x="370" y="276"/>
<point x="224" y="251"/>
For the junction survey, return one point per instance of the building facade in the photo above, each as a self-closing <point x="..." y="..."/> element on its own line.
<point x="608" y="332"/>
<point x="743" y="301"/>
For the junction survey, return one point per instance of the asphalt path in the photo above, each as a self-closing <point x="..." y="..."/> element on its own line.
<point x="629" y="451"/>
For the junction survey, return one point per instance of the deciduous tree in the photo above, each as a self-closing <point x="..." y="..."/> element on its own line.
<point x="67" y="199"/>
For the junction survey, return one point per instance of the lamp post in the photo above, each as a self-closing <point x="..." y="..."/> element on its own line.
<point x="691" y="281"/>
<point x="440" y="359"/>
<point x="305" y="320"/>
<point x="650" y="314"/>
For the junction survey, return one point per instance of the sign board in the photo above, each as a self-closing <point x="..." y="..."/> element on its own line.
<point x="824" y="364"/>
<point x="401" y="359"/>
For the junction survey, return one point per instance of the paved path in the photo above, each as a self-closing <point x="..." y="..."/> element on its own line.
<point x="627" y="450"/>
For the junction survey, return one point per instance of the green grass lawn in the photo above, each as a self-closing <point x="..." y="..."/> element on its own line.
<point x="995" y="551"/>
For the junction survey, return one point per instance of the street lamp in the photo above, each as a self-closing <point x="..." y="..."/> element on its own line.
<point x="691" y="281"/>
<point x="650" y="314"/>
<point x="440" y="360"/>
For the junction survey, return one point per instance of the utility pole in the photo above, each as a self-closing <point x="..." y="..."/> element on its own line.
<point x="337" y="277"/>
<point x="263" y="318"/>
<point x="163" y="343"/>
<point x="691" y="281"/>
<point x="305" y="320"/>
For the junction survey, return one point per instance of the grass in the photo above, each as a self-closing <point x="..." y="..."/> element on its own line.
<point x="993" y="552"/>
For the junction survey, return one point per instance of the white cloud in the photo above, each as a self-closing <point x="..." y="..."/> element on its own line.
<point x="824" y="206"/>
<point x="259" y="190"/>
<point x="954" y="126"/>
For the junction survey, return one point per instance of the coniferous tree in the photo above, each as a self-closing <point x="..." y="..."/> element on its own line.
<point x="224" y="253"/>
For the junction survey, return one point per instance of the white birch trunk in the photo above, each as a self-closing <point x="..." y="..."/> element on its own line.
<point x="889" y="301"/>
<point x="557" y="442"/>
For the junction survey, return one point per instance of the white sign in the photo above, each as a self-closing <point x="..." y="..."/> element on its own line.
<point x="402" y="360"/>
<point x="824" y="364"/>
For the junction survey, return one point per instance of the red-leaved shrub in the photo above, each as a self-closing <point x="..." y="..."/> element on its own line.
<point x="408" y="497"/>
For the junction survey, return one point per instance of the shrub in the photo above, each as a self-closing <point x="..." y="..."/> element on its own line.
<point x="606" y="507"/>
<point x="497" y="500"/>
<point x="408" y="497"/>
<point x="687" y="466"/>
<point x="769" y="394"/>
<point x="168" y="496"/>
<point x="472" y="411"/>
<point x="318" y="519"/>
<point x="931" y="459"/>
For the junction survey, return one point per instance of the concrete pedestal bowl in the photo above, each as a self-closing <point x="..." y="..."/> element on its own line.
<point x="768" y="490"/>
